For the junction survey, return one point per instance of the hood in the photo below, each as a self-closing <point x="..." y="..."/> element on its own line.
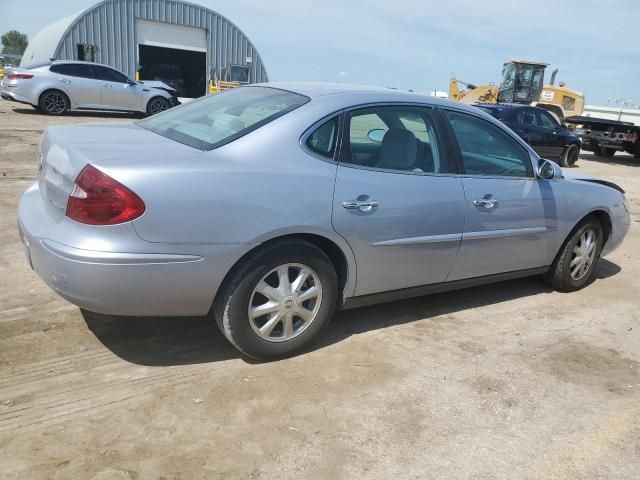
<point x="158" y="84"/>
<point x="571" y="174"/>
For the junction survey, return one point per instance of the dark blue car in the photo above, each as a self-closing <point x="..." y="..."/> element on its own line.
<point x="540" y="129"/>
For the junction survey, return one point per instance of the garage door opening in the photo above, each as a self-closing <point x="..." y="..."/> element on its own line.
<point x="184" y="70"/>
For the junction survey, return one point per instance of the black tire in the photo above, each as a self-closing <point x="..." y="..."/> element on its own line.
<point x="570" y="156"/>
<point x="607" y="152"/>
<point x="54" y="102"/>
<point x="157" y="105"/>
<point x="231" y="308"/>
<point x="559" y="275"/>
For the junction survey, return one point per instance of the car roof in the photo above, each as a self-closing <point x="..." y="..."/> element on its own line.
<point x="501" y="106"/>
<point x="364" y="92"/>
<point x="80" y="62"/>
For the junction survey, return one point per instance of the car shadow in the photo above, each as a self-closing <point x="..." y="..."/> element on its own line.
<point x="165" y="341"/>
<point x="92" y="113"/>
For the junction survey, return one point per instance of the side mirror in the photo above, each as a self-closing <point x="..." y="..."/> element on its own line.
<point x="548" y="170"/>
<point x="131" y="82"/>
<point x="376" y="135"/>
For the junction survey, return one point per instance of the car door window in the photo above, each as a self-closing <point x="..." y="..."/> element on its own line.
<point x="526" y="117"/>
<point x="486" y="149"/>
<point x="545" y="120"/>
<point x="109" y="74"/>
<point x="73" y="70"/>
<point x="323" y="139"/>
<point x="393" y="138"/>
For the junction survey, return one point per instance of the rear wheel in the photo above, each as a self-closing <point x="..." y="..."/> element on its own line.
<point x="607" y="152"/>
<point x="157" y="105"/>
<point x="570" y="156"/>
<point x="54" y="102"/>
<point x="277" y="300"/>
<point x="576" y="263"/>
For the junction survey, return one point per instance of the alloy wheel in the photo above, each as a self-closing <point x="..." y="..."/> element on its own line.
<point x="157" y="106"/>
<point x="285" y="302"/>
<point x="55" y="103"/>
<point x="583" y="255"/>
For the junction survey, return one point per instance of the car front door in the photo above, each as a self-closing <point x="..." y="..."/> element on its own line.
<point x="511" y="216"/>
<point x="396" y="202"/>
<point x="118" y="92"/>
<point x="78" y="82"/>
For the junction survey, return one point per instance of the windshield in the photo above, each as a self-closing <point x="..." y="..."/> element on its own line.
<point x="213" y="121"/>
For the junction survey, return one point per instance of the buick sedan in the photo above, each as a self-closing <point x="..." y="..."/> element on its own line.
<point x="268" y="206"/>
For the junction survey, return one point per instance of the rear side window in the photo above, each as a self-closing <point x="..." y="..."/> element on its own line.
<point x="323" y="139"/>
<point x="486" y="149"/>
<point x="213" y="121"/>
<point x="73" y="70"/>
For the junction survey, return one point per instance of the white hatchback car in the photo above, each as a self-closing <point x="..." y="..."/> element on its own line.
<point x="58" y="87"/>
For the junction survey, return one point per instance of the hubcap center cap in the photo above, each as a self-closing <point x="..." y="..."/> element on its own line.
<point x="288" y="303"/>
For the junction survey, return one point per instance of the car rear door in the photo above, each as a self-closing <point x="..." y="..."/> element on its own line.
<point x="550" y="128"/>
<point x="511" y="216"/>
<point x="395" y="201"/>
<point x="118" y="92"/>
<point x="78" y="82"/>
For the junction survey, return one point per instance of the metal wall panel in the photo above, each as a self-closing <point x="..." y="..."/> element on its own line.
<point x="110" y="26"/>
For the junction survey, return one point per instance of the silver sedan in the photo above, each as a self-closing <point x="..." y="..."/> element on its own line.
<point x="62" y="86"/>
<point x="267" y="206"/>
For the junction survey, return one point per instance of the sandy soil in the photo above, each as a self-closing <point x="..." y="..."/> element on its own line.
<point x="507" y="381"/>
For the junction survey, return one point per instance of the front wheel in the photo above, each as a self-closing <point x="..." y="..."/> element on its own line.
<point x="157" y="105"/>
<point x="570" y="156"/>
<point x="277" y="300"/>
<point x="576" y="263"/>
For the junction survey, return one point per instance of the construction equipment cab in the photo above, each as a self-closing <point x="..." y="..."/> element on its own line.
<point x="521" y="82"/>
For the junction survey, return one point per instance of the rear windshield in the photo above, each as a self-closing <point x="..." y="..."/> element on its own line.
<point x="222" y="118"/>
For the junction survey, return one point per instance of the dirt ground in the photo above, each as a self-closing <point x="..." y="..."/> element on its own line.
<point x="507" y="381"/>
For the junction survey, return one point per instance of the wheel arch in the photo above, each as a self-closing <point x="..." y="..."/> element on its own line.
<point x="598" y="213"/>
<point x="340" y="256"/>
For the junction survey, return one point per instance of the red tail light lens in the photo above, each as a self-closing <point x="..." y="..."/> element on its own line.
<point x="98" y="199"/>
<point x="23" y="76"/>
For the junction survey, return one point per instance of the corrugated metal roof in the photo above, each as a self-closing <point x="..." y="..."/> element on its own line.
<point x="43" y="46"/>
<point x="110" y="25"/>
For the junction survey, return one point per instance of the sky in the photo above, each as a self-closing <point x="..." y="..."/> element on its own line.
<point x="419" y="44"/>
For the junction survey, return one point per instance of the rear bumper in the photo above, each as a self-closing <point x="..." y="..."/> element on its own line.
<point x="14" y="97"/>
<point x="118" y="283"/>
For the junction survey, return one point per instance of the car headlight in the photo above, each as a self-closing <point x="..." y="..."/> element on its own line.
<point x="625" y="202"/>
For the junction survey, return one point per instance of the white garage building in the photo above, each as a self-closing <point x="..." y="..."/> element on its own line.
<point x="170" y="40"/>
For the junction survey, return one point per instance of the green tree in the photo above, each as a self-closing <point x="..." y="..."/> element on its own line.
<point x="14" y="44"/>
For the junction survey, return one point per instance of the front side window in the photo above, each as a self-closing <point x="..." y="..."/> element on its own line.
<point x="109" y="74"/>
<point x="323" y="139"/>
<point x="72" y="70"/>
<point x="527" y="117"/>
<point x="545" y="120"/>
<point x="393" y="138"/>
<point x="213" y="121"/>
<point x="486" y="149"/>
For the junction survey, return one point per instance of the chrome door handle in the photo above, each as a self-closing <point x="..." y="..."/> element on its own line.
<point x="64" y="80"/>
<point x="485" y="202"/>
<point x="362" y="205"/>
<point x="108" y="85"/>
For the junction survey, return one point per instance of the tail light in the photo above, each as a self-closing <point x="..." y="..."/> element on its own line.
<point x="98" y="199"/>
<point x="22" y="76"/>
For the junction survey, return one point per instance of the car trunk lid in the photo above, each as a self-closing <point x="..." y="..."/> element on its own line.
<point x="66" y="150"/>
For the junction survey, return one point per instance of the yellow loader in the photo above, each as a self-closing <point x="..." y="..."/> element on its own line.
<point x="522" y="82"/>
